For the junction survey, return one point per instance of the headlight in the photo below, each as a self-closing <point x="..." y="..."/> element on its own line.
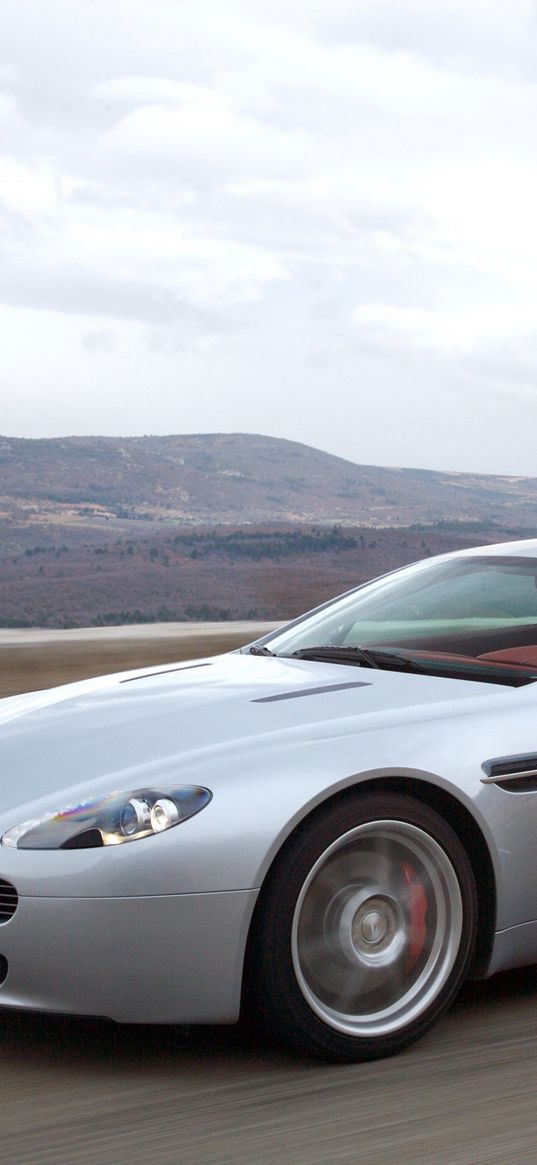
<point x="109" y="820"/>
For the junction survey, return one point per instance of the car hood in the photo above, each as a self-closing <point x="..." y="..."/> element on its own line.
<point x="119" y="730"/>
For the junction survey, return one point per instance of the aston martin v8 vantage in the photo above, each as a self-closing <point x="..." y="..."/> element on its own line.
<point x="331" y="827"/>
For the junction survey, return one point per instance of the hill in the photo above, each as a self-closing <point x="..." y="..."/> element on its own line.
<point x="97" y="531"/>
<point x="237" y="479"/>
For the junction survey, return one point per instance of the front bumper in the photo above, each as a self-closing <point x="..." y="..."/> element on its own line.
<point x="158" y="959"/>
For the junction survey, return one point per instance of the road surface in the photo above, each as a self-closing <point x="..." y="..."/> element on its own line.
<point x="87" y="1091"/>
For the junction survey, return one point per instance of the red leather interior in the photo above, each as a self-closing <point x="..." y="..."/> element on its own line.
<point x="518" y="655"/>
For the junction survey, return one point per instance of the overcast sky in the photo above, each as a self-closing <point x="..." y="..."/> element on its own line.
<point x="315" y="219"/>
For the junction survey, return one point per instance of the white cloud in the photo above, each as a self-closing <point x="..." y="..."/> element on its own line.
<point x="148" y="90"/>
<point x="166" y="254"/>
<point x="122" y="244"/>
<point x="204" y="132"/>
<point x="99" y="340"/>
<point x="331" y="203"/>
<point x="449" y="332"/>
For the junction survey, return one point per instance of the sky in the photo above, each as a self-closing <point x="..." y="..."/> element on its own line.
<point x="313" y="219"/>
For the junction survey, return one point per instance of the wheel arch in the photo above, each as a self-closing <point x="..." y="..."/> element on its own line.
<point x="457" y="816"/>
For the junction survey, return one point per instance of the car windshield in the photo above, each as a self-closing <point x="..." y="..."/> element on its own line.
<point x="458" y="616"/>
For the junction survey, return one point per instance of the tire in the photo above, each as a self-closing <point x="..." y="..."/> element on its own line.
<point x="364" y="929"/>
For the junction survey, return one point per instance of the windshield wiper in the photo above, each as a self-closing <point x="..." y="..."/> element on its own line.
<point x="363" y="656"/>
<point x="392" y="661"/>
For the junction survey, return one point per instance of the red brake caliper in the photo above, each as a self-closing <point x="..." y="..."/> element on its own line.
<point x="417" y="911"/>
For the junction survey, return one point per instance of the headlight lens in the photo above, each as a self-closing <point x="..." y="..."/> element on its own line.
<point x="109" y="820"/>
<point x="164" y="814"/>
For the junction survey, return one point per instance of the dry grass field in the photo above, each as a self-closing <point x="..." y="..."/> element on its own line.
<point x="32" y="660"/>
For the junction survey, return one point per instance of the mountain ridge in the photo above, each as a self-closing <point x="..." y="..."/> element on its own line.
<point x="237" y="478"/>
<point x="104" y="530"/>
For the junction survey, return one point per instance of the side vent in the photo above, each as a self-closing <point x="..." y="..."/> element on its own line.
<point x="516" y="774"/>
<point x="9" y="900"/>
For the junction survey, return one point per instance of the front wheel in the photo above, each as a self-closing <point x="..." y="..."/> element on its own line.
<point x="365" y="928"/>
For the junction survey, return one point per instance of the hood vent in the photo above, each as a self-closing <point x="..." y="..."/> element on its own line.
<point x="165" y="672"/>
<point x="308" y="692"/>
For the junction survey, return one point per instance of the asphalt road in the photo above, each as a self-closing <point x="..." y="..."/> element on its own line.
<point x="79" y="1091"/>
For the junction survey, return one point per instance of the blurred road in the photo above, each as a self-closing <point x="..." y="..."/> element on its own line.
<point x="78" y="1091"/>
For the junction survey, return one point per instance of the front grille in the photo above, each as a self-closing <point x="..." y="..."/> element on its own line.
<point x="9" y="900"/>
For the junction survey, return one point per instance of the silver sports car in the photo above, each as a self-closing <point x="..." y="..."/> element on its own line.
<point x="331" y="827"/>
